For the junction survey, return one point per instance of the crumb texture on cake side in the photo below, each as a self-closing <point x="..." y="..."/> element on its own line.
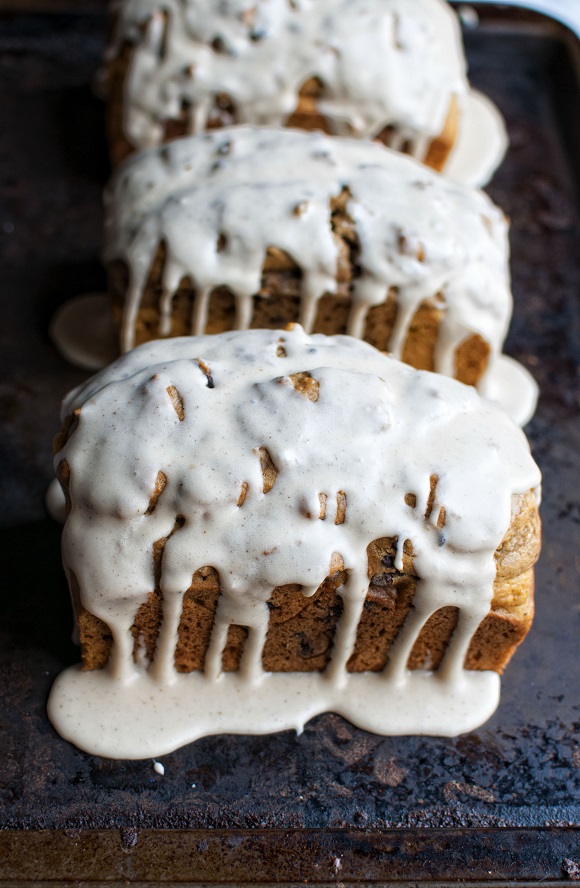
<point x="393" y="69"/>
<point x="299" y="522"/>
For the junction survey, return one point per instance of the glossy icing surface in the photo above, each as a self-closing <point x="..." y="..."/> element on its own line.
<point x="382" y="63"/>
<point x="217" y="201"/>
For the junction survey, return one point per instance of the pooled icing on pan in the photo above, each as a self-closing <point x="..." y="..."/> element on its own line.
<point x="382" y="63"/>
<point x="201" y="411"/>
<point x="218" y="201"/>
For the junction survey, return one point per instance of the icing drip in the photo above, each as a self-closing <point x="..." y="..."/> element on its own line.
<point x="395" y="62"/>
<point x="165" y="440"/>
<point x="219" y="200"/>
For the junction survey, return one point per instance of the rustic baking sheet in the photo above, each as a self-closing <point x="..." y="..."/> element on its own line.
<point x="335" y="803"/>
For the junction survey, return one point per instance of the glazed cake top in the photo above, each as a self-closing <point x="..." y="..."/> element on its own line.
<point x="217" y="201"/>
<point x="206" y="412"/>
<point x="382" y="62"/>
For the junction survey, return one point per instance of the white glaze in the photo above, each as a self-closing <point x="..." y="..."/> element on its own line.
<point x="382" y="62"/>
<point x="508" y="384"/>
<point x="55" y="502"/>
<point x="481" y="144"/>
<point x="245" y="184"/>
<point x="84" y="332"/>
<point x="392" y="428"/>
<point x="151" y="719"/>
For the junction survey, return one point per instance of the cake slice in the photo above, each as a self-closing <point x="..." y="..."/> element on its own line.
<point x="388" y="69"/>
<point x="284" y="508"/>
<point x="250" y="227"/>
